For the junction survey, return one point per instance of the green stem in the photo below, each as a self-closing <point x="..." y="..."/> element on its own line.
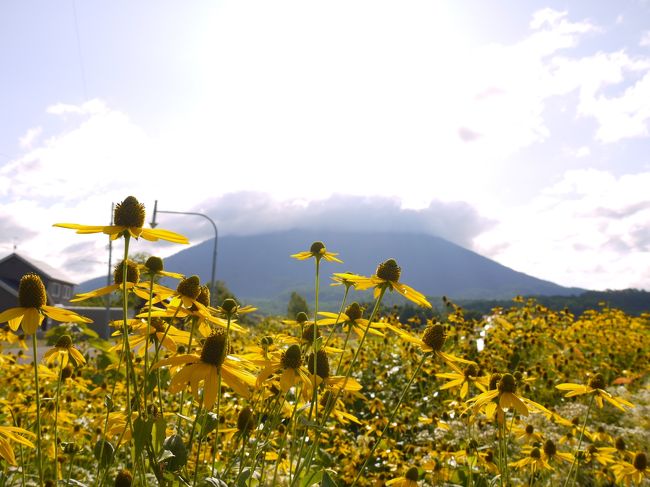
<point x="39" y="453"/>
<point x="345" y="298"/>
<point x="313" y="407"/>
<point x="146" y="345"/>
<point x="198" y="449"/>
<point x="577" y="452"/>
<point x="329" y="407"/>
<point x="56" y="417"/>
<point x="390" y="420"/>
<point x="70" y="469"/>
<point x="216" y="428"/>
<point x="345" y="345"/>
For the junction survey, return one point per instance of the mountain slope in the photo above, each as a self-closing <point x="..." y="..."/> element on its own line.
<point x="259" y="266"/>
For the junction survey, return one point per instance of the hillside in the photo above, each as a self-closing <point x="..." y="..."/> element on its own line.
<point x="258" y="267"/>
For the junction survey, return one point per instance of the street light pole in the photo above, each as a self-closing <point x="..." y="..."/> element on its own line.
<point x="213" y="284"/>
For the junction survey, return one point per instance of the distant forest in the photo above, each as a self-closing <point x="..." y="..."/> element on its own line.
<point x="631" y="301"/>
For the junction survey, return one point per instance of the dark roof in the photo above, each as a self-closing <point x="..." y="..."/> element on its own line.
<point x="45" y="269"/>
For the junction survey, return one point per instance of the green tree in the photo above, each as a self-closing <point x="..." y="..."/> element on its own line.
<point x="296" y="304"/>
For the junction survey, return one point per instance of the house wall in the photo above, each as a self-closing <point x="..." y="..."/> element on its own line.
<point x="58" y="292"/>
<point x="7" y="300"/>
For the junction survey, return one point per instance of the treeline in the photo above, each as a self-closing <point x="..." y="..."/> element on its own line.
<point x="632" y="301"/>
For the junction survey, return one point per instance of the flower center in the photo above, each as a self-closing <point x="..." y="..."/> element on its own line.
<point x="322" y="364"/>
<point x="132" y="272"/>
<point x="535" y="453"/>
<point x="129" y="213"/>
<point x="190" y="287"/>
<point x="229" y="305"/>
<point x="31" y="292"/>
<point x="215" y="348"/>
<point x="389" y="271"/>
<point x="620" y="444"/>
<point x="204" y="296"/>
<point x="640" y="461"/>
<point x="245" y="420"/>
<point x="301" y="317"/>
<point x="507" y="384"/>
<point x="470" y="371"/>
<point x="64" y="341"/>
<point x="317" y="249"/>
<point x="354" y="312"/>
<point x="154" y="264"/>
<point x="412" y="474"/>
<point x="597" y="382"/>
<point x="308" y="333"/>
<point x="549" y="448"/>
<point x="434" y="336"/>
<point x="291" y="357"/>
<point x="530" y="429"/>
<point x="123" y="479"/>
<point x="158" y="325"/>
<point x="494" y="381"/>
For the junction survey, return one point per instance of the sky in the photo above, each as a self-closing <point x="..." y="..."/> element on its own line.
<point x="519" y="130"/>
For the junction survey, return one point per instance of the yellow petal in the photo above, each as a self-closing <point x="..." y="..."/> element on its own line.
<point x="155" y="234"/>
<point x="31" y="321"/>
<point x="11" y="314"/>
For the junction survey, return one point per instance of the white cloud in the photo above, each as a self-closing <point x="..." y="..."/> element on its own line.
<point x="30" y="137"/>
<point x="583" y="151"/>
<point x="588" y="230"/>
<point x="645" y="39"/>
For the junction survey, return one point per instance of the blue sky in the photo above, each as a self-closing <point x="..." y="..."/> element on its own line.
<point x="517" y="129"/>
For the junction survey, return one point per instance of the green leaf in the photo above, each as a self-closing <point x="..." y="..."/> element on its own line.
<point x="243" y="478"/>
<point x="328" y="481"/>
<point x="158" y="432"/>
<point x="165" y="455"/>
<point x="312" y="477"/>
<point x="141" y="433"/>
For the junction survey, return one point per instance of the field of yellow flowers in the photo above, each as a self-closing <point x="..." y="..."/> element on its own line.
<point x="192" y="394"/>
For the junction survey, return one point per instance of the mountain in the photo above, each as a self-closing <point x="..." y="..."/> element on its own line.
<point x="258" y="267"/>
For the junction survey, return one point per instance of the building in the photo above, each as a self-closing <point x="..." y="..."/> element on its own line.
<point x="60" y="290"/>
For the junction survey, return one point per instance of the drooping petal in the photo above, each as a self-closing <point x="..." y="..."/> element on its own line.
<point x="181" y="378"/>
<point x="82" y="228"/>
<point x="31" y="321"/>
<point x="178" y="360"/>
<point x="234" y="382"/>
<point x="64" y="315"/>
<point x="158" y="233"/>
<point x="210" y="387"/>
<point x="12" y="314"/>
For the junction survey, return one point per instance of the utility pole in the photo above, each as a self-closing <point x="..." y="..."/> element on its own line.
<point x="213" y="283"/>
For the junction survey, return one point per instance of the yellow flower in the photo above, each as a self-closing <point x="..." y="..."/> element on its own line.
<point x="205" y="368"/>
<point x="32" y="299"/>
<point x="64" y="350"/>
<point x="133" y="284"/>
<point x="353" y="317"/>
<point x="317" y="251"/>
<point x="154" y="267"/>
<point x="129" y="219"/>
<point x="632" y="473"/>
<point x="386" y="277"/>
<point x="12" y="433"/>
<point x="463" y="380"/>
<point x="290" y="366"/>
<point x="502" y="395"/>
<point x="432" y="341"/>
<point x="167" y="335"/>
<point x="596" y="386"/>
<point x="410" y="479"/>
<point x="534" y="461"/>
